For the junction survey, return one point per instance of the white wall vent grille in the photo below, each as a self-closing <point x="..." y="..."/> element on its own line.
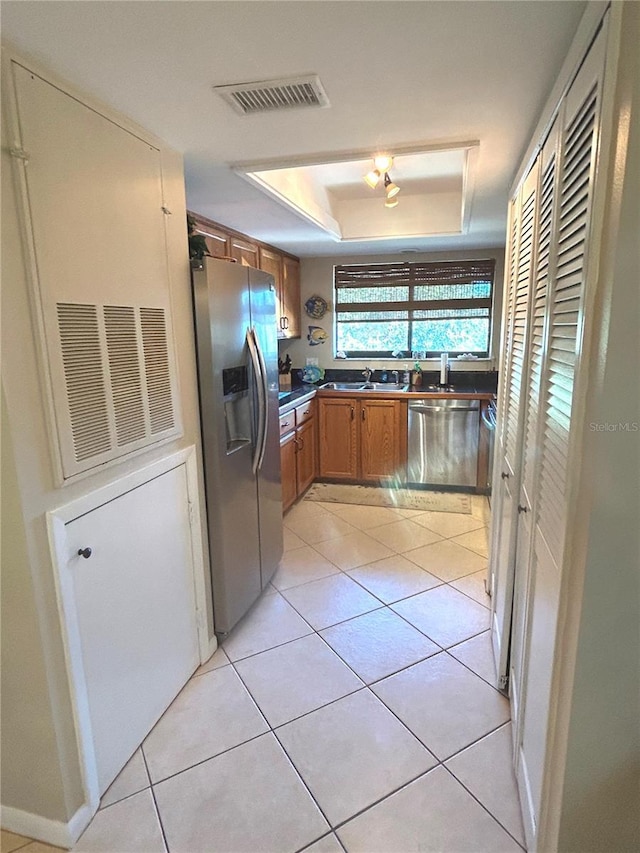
<point x="269" y="95"/>
<point x="84" y="374"/>
<point x="119" y="381"/>
<point x="156" y="363"/>
<point x="124" y="367"/>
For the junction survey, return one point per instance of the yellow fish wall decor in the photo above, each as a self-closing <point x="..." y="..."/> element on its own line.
<point x="317" y="336"/>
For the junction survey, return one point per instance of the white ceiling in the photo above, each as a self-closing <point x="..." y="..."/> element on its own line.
<point x="397" y="74"/>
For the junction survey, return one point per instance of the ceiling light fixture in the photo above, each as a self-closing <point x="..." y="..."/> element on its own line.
<point x="389" y="187"/>
<point x="372" y="178"/>
<point x="391" y="202"/>
<point x="382" y="163"/>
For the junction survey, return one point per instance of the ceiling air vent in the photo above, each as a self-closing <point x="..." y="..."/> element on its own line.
<point x="268" y="95"/>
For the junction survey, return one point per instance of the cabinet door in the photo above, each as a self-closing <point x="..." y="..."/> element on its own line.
<point x="288" y="469"/>
<point x="306" y="440"/>
<point x="338" y="438"/>
<point x="245" y="252"/>
<point x="135" y="612"/>
<point x="271" y="262"/>
<point x="379" y="439"/>
<point x="291" y="296"/>
<point x="218" y="241"/>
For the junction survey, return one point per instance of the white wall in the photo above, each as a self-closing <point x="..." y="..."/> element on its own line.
<point x="40" y="767"/>
<point x="601" y="787"/>
<point x="317" y="279"/>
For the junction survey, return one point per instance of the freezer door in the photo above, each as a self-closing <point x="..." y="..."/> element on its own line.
<point x="222" y="315"/>
<point x="263" y="320"/>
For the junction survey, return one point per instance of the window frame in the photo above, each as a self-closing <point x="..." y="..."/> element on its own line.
<point x="413" y="274"/>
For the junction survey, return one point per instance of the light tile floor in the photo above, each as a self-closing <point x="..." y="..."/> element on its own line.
<point x="352" y="709"/>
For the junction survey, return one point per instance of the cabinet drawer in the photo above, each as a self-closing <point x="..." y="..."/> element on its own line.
<point x="304" y="412"/>
<point x="287" y="422"/>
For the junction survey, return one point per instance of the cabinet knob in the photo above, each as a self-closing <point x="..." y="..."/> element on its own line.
<point x="353" y="412"/>
<point x="505" y="475"/>
<point x="363" y="414"/>
<point x="522" y="508"/>
<point x="84" y="552"/>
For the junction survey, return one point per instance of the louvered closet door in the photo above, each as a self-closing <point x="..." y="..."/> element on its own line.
<point x="566" y="281"/>
<point x="505" y="350"/>
<point x="515" y="367"/>
<point x="530" y="456"/>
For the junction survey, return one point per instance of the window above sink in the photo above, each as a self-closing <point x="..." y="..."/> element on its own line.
<point x="432" y="307"/>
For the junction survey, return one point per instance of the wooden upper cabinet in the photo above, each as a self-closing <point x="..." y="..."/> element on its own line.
<point x="223" y="243"/>
<point x="291" y="296"/>
<point x="271" y="262"/>
<point x="245" y="252"/>
<point x="338" y="448"/>
<point x="218" y="241"/>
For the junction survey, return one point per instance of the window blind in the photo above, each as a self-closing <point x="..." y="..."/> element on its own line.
<point x="430" y="307"/>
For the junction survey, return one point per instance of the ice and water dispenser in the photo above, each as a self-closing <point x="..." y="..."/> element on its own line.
<point x="237" y="407"/>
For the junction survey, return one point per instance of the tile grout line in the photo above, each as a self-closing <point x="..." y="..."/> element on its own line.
<point x="480" y="803"/>
<point x="364" y="687"/>
<point x="155" y="802"/>
<point x="299" y="775"/>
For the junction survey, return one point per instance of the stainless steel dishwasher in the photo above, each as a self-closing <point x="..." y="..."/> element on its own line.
<point x="443" y="442"/>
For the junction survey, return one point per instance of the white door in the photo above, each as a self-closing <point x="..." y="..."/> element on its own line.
<point x="136" y="614"/>
<point x="512" y="406"/>
<point x="548" y="489"/>
<point x="530" y="458"/>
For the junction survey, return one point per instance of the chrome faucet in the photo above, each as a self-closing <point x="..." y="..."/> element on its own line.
<point x="367" y="373"/>
<point x="396" y="377"/>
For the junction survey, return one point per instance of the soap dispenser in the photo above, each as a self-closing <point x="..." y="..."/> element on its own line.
<point x="406" y="376"/>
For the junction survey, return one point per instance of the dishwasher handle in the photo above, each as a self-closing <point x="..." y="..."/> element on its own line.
<point x="422" y="410"/>
<point x="489" y="418"/>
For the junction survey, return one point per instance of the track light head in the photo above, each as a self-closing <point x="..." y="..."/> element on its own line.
<point x="372" y="178"/>
<point x="390" y="188"/>
<point x="383" y="162"/>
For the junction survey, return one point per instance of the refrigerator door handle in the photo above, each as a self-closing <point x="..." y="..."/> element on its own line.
<point x="260" y="389"/>
<point x="264" y="410"/>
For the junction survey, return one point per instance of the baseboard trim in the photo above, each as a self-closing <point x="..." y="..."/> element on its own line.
<point x="44" y="829"/>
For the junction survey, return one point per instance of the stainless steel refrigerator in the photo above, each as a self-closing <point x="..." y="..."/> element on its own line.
<point x="237" y="355"/>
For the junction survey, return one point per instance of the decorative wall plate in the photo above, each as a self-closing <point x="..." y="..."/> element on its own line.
<point x="316" y="307"/>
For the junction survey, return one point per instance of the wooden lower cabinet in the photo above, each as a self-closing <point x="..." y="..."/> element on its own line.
<point x="380" y="444"/>
<point x="298" y="451"/>
<point x="338" y="439"/>
<point x="306" y="467"/>
<point x="288" y="469"/>
<point x="361" y="439"/>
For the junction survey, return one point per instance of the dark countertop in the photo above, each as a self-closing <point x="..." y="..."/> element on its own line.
<point x="296" y="396"/>
<point x="462" y="392"/>
<point x="466" y="385"/>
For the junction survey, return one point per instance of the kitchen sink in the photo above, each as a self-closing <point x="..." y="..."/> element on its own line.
<point x="384" y="386"/>
<point x="438" y="388"/>
<point x="364" y="386"/>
